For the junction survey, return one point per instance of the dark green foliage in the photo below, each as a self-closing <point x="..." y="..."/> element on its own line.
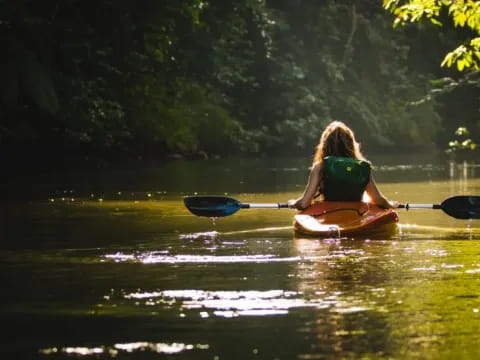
<point x="211" y="78"/>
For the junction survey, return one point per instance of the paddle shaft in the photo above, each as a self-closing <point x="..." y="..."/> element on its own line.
<point x="263" y="206"/>
<point x="408" y="206"/>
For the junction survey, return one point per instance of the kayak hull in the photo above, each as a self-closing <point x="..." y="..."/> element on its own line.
<point x="338" y="218"/>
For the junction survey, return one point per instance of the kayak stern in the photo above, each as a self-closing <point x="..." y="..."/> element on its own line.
<point x="338" y="218"/>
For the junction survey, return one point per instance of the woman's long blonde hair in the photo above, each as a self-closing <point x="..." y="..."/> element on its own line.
<point x="337" y="140"/>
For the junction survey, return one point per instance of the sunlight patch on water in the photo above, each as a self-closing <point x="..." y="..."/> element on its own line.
<point x="452" y="266"/>
<point x="214" y="235"/>
<point x="346" y="252"/>
<point x="425" y="268"/>
<point x="236" y="313"/>
<point x="198" y="295"/>
<point x="418" y="232"/>
<point x="114" y="350"/>
<point x="351" y="309"/>
<point x="246" y="303"/>
<point x="264" y="229"/>
<point x="160" y="257"/>
<point x="408" y="167"/>
<point x="207" y="235"/>
<point x="436" y="252"/>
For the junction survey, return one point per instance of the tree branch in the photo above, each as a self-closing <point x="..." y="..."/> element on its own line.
<point x="353" y="29"/>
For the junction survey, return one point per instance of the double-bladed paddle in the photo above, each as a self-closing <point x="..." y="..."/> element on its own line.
<point x="459" y="207"/>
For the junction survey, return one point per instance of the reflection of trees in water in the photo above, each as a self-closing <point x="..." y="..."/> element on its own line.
<point x="351" y="323"/>
<point x="463" y="152"/>
<point x="460" y="173"/>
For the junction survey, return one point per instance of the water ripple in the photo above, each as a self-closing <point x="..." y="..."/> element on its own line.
<point x="207" y="235"/>
<point x="245" y="303"/>
<point x="160" y="257"/>
<point x="114" y="350"/>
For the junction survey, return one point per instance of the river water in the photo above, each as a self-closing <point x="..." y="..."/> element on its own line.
<point x="109" y="264"/>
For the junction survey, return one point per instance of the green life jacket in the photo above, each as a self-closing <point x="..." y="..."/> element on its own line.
<point x="344" y="178"/>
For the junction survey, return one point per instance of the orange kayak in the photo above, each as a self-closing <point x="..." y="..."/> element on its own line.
<point x="338" y="218"/>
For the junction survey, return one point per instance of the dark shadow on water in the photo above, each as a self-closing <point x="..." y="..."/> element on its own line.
<point x="236" y="175"/>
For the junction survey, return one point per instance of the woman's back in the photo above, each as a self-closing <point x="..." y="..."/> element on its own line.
<point x="339" y="171"/>
<point x="344" y="178"/>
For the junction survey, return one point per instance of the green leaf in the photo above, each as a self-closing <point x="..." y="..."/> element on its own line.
<point x="448" y="59"/>
<point x="460" y="19"/>
<point x="462" y="131"/>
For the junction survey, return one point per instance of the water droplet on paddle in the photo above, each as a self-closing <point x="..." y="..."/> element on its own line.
<point x="214" y="221"/>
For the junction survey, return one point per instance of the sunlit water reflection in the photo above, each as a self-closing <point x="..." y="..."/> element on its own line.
<point x="155" y="257"/>
<point x="131" y="274"/>
<point x="114" y="350"/>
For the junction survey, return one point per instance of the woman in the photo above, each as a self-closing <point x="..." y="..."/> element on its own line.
<point x="340" y="172"/>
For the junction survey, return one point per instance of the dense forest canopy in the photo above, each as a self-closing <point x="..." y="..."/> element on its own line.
<point x="123" y="78"/>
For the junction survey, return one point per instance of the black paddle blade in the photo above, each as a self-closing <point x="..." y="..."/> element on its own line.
<point x="462" y="207"/>
<point x="211" y="206"/>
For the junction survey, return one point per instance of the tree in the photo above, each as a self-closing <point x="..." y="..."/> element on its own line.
<point x="463" y="13"/>
<point x="213" y="77"/>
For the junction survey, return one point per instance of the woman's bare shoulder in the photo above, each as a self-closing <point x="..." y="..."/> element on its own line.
<point x="316" y="168"/>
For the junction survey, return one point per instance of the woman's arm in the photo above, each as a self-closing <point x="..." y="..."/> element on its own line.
<point x="310" y="190"/>
<point x="377" y="197"/>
